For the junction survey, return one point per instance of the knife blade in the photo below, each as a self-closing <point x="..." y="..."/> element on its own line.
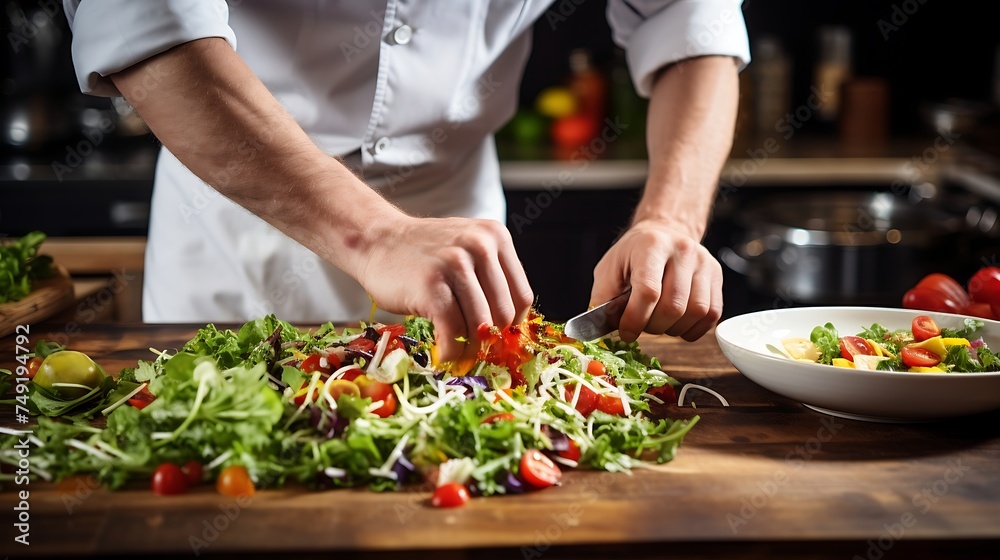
<point x="598" y="321"/>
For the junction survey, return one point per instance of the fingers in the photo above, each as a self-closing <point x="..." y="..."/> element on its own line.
<point x="675" y="297"/>
<point x="646" y="279"/>
<point x="518" y="287"/>
<point x="703" y="325"/>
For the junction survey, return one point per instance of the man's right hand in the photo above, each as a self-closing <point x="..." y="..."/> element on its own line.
<point x="457" y="272"/>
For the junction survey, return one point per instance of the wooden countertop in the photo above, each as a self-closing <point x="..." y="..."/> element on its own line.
<point x="765" y="476"/>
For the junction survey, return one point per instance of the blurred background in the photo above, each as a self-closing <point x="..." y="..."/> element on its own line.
<point x="867" y="154"/>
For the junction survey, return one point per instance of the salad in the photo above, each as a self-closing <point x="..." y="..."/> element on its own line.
<point x="923" y="348"/>
<point x="270" y="403"/>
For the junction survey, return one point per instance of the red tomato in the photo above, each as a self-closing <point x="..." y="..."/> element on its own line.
<point x="924" y="327"/>
<point x="984" y="286"/>
<point x="538" y="470"/>
<point x="498" y="417"/>
<point x="573" y="131"/>
<point x="937" y="292"/>
<point x="596" y="368"/>
<point x="169" y="480"/>
<point x="505" y="347"/>
<point x="193" y="472"/>
<point x="318" y="363"/>
<point x="450" y="495"/>
<point x="983" y="310"/>
<point x="377" y="391"/>
<point x="351" y="374"/>
<point x="395" y="330"/>
<point x="361" y="344"/>
<point x="851" y="346"/>
<point x="142" y="399"/>
<point x="586" y="403"/>
<point x="33" y="365"/>
<point x="666" y="393"/>
<point x="571" y="453"/>
<point x="919" y="357"/>
<point x="234" y="481"/>
<point x="611" y="403"/>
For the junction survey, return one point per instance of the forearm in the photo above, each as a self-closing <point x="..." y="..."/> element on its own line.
<point x="219" y="120"/>
<point x="692" y="114"/>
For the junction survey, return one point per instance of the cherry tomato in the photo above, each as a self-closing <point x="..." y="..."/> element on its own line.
<point x="361" y="344"/>
<point x="33" y="365"/>
<point x="611" y="403"/>
<point x="315" y="362"/>
<point x="851" y="346"/>
<point x="300" y="396"/>
<point x="352" y="374"/>
<point x="169" y="480"/>
<point x="394" y="331"/>
<point x="234" y="481"/>
<point x="984" y="286"/>
<point x="573" y="131"/>
<point x="586" y="403"/>
<point x="596" y="368"/>
<point x="450" y="495"/>
<point x="937" y="292"/>
<point x="919" y="357"/>
<point x="142" y="399"/>
<point x="378" y="391"/>
<point x="666" y="393"/>
<point x="498" y="417"/>
<point x="193" y="472"/>
<point x="538" y="470"/>
<point x="924" y="327"/>
<point x="571" y="453"/>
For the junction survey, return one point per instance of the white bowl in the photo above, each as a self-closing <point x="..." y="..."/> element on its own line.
<point x="878" y="396"/>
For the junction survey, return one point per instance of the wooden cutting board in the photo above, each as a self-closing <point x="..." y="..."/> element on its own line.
<point x="47" y="297"/>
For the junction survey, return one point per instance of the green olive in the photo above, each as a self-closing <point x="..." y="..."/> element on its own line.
<point x="68" y="366"/>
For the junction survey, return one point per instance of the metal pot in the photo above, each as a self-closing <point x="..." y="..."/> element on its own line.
<point x="841" y="248"/>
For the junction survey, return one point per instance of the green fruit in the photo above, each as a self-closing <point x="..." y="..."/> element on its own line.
<point x="68" y="366"/>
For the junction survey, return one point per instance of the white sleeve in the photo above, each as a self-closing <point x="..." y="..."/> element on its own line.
<point x="111" y="35"/>
<point x="655" y="33"/>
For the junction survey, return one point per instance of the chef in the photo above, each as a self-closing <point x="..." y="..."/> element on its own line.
<point x="317" y="154"/>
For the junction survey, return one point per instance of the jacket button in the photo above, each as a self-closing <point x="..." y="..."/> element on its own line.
<point x="380" y="145"/>
<point x="402" y="34"/>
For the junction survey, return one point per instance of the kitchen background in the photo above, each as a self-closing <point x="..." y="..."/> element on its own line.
<point x="849" y="200"/>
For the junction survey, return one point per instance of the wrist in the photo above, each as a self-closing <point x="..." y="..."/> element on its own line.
<point x="685" y="217"/>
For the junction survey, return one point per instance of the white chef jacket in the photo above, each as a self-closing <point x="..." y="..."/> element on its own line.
<point x="410" y="91"/>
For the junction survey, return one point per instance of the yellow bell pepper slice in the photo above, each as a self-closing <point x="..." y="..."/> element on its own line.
<point x="934" y="344"/>
<point x="841" y="362"/>
<point x="956" y="342"/>
<point x="918" y="369"/>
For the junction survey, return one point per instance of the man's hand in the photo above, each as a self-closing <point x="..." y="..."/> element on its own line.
<point x="457" y="272"/>
<point x="676" y="283"/>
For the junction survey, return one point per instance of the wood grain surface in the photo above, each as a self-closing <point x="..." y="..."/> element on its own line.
<point x="763" y="477"/>
<point x="47" y="298"/>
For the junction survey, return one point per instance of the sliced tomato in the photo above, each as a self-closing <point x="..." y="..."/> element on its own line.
<point x="919" y="357"/>
<point x="352" y="374"/>
<point x="234" y="481"/>
<point x="924" y="327"/>
<point x="300" y="396"/>
<point x="538" y="470"/>
<point x="322" y="364"/>
<point x="395" y="330"/>
<point x="377" y="391"/>
<point x="851" y="346"/>
<point x="450" y="495"/>
<point x="611" y="403"/>
<point x="193" y="472"/>
<point x="498" y="417"/>
<point x="571" y="453"/>
<point x="169" y="480"/>
<point x="666" y="393"/>
<point x="597" y="368"/>
<point x="361" y="344"/>
<point x="142" y="399"/>
<point x="586" y="403"/>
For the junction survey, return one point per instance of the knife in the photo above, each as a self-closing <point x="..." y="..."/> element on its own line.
<point x="598" y="321"/>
